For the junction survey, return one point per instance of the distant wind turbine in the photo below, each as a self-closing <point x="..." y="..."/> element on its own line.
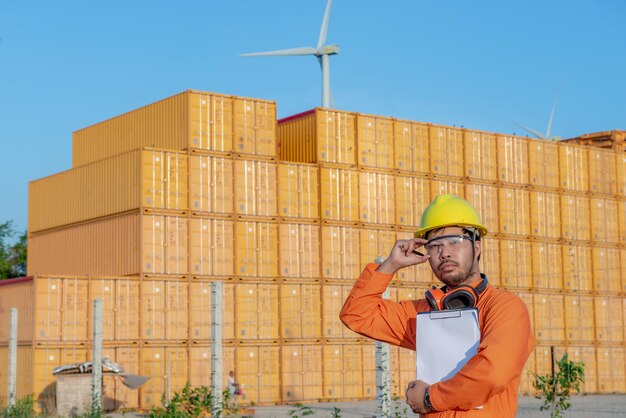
<point x="545" y="136"/>
<point x="322" y="52"/>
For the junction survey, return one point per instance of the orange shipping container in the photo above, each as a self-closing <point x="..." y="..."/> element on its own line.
<point x="17" y="293"/>
<point x="339" y="194"/>
<point x="490" y="259"/>
<point x="376" y="243"/>
<point x="604" y="220"/>
<point x="586" y="355"/>
<point x="375" y="141"/>
<point x="575" y="221"/>
<point x="514" y="207"/>
<point x="412" y="195"/>
<point x="200" y="365"/>
<point x="484" y="197"/>
<point x="301" y="372"/>
<point x="254" y="127"/>
<point x="167" y="368"/>
<point x="579" y="323"/>
<point x="256" y="251"/>
<point x="211" y="247"/>
<point x="164" y="310"/>
<point x="480" y="156"/>
<point x="549" y="321"/>
<point x="512" y="159"/>
<point x="611" y="370"/>
<point x="142" y="179"/>
<point x="446" y="151"/>
<point x="620" y="168"/>
<point x="299" y="250"/>
<point x="606" y="270"/>
<point x="573" y="167"/>
<point x="318" y="136"/>
<point x="211" y="184"/>
<point x="44" y="359"/>
<point x="515" y="264"/>
<point x="404" y="371"/>
<point x="609" y="316"/>
<point x="577" y="273"/>
<point x="115" y="395"/>
<point x="411" y="146"/>
<point x="441" y="186"/>
<point x="342" y="375"/>
<point x="545" y="214"/>
<point x="527" y="378"/>
<point x="298" y="191"/>
<point x="333" y="298"/>
<point x="201" y="308"/>
<point x="24" y="376"/>
<point x="547" y="265"/>
<point x="300" y="311"/>
<point x="340" y="253"/>
<point x="255" y="188"/>
<point x="258" y="372"/>
<point x="621" y="215"/>
<point x="120" y="297"/>
<point x="377" y="198"/>
<point x="602" y="171"/>
<point x="543" y="164"/>
<point x="257" y="313"/>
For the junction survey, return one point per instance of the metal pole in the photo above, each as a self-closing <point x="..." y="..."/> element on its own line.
<point x="325" y="81"/>
<point x="383" y="377"/>
<point x="96" y="368"/>
<point x="12" y="371"/>
<point x="217" y="302"/>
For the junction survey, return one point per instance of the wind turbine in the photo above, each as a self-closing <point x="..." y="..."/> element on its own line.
<point x="322" y="52"/>
<point x="548" y="129"/>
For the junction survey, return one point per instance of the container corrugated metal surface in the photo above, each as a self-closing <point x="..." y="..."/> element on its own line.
<point x="167" y="367"/>
<point x="446" y="186"/>
<point x="446" y="151"/>
<point x="343" y="368"/>
<point x="376" y="243"/>
<point x="547" y="265"/>
<point x="375" y="141"/>
<point x="164" y="310"/>
<point x="575" y="221"/>
<point x="549" y="318"/>
<point x="610" y="361"/>
<point x="411" y="193"/>
<point x="604" y="220"/>
<point x="609" y="317"/>
<point x="143" y="179"/>
<point x="299" y="250"/>
<point x="620" y="166"/>
<point x="587" y="355"/>
<point x="480" y="156"/>
<point x="257" y="311"/>
<point x="255" y="188"/>
<point x="377" y="198"/>
<point x="621" y="215"/>
<point x="574" y="167"/>
<point x="211" y="247"/>
<point x="333" y="297"/>
<point x="120" y="296"/>
<point x="200" y="365"/>
<point x="602" y="171"/>
<point x="339" y="194"/>
<point x="484" y="197"/>
<point x="490" y="260"/>
<point x="24" y="377"/>
<point x="256" y="252"/>
<point x="200" y="306"/>
<point x="301" y="372"/>
<point x="606" y="270"/>
<point x="512" y="159"/>
<point x="17" y="293"/>
<point x="514" y="207"/>
<point x="515" y="264"/>
<point x="44" y="360"/>
<point x="254" y="127"/>
<point x="300" y="311"/>
<point x="577" y="272"/>
<point x="543" y="164"/>
<point x="115" y="394"/>
<point x="210" y="123"/>
<point x="259" y="368"/>
<point x="414" y="275"/>
<point x="211" y="185"/>
<point x="545" y="214"/>
<point x="298" y="191"/>
<point x="411" y="146"/>
<point x="340" y="252"/>
<point x="579" y="322"/>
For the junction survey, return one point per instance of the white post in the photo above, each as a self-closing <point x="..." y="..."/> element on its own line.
<point x="217" y="302"/>
<point x="325" y="81"/>
<point x="12" y="371"/>
<point x="96" y="368"/>
<point x="383" y="377"/>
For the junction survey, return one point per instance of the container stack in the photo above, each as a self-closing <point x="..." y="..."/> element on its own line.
<point x="167" y="199"/>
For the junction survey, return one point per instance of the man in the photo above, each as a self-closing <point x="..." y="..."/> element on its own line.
<point x="450" y="234"/>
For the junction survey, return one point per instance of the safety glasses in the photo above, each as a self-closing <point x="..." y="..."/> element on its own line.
<point x="450" y="242"/>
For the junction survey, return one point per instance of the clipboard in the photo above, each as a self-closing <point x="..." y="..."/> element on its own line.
<point x="445" y="341"/>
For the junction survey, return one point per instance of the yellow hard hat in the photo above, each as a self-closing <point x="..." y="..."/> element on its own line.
<point x="449" y="210"/>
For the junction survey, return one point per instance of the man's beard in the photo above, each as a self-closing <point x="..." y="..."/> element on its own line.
<point x="455" y="279"/>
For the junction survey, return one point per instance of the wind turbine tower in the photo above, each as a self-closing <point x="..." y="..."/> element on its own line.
<point x="322" y="52"/>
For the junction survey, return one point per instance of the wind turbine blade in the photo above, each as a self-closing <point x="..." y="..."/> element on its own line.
<point x="324" y="30"/>
<point x="549" y="130"/>
<point x="306" y="50"/>
<point x="532" y="131"/>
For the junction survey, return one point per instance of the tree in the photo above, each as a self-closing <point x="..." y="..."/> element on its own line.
<point x="12" y="257"/>
<point x="557" y="386"/>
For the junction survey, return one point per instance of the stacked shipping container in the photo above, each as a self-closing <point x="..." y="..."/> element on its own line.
<point x="287" y="224"/>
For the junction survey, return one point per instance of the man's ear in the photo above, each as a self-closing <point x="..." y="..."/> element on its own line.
<point x="478" y="249"/>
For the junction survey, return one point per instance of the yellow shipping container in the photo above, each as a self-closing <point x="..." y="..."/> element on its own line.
<point x="120" y="300"/>
<point x="125" y="245"/>
<point x="621" y="215"/>
<point x="516" y="264"/>
<point x="602" y="171"/>
<point x="374" y="141"/>
<point x="115" y="395"/>
<point x="299" y="250"/>
<point x="258" y="372"/>
<point x="200" y="310"/>
<point x="254" y="127"/>
<point x="146" y="180"/>
<point x="480" y="156"/>
<point x="24" y="376"/>
<point x="527" y="378"/>
<point x="376" y="243"/>
<point x="543" y="164"/>
<point x="445" y="186"/>
<point x="403" y="369"/>
<point x="606" y="270"/>
<point x="377" y="198"/>
<point x="484" y="197"/>
<point x="256" y="252"/>
<point x="167" y="367"/>
<point x="611" y="370"/>
<point x="369" y="369"/>
<point x="17" y="293"/>
<point x="339" y="194"/>
<point x="512" y="159"/>
<point x="545" y="214"/>
<point x="446" y="151"/>
<point x="255" y="188"/>
<point x="579" y="323"/>
<point x="620" y="168"/>
<point x="211" y="180"/>
<point x="411" y="146"/>
<point x="298" y="191"/>
<point x="341" y="253"/>
<point x="257" y="313"/>
<point x="164" y="315"/>
<point x="342" y="371"/>
<point x="547" y="265"/>
<point x="301" y="373"/>
<point x="300" y="311"/>
<point x="412" y="195"/>
<point x="514" y="211"/>
<point x="609" y="317"/>
<point x="200" y="365"/>
<point x="604" y="220"/>
<point x="333" y="298"/>
<point x="418" y="275"/>
<point x="586" y="355"/>
<point x="575" y="221"/>
<point x="490" y="259"/>
<point x="573" y="167"/>
<point x="211" y="247"/>
<point x="549" y="312"/>
<point x="623" y="271"/>
<point x="318" y="136"/>
<point x="577" y="272"/>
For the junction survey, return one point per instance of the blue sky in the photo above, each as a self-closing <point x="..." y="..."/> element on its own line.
<point x="482" y="64"/>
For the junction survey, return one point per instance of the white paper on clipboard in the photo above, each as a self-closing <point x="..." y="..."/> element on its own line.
<point x="445" y="341"/>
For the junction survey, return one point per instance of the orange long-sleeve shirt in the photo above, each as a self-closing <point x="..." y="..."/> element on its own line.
<point x="491" y="378"/>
